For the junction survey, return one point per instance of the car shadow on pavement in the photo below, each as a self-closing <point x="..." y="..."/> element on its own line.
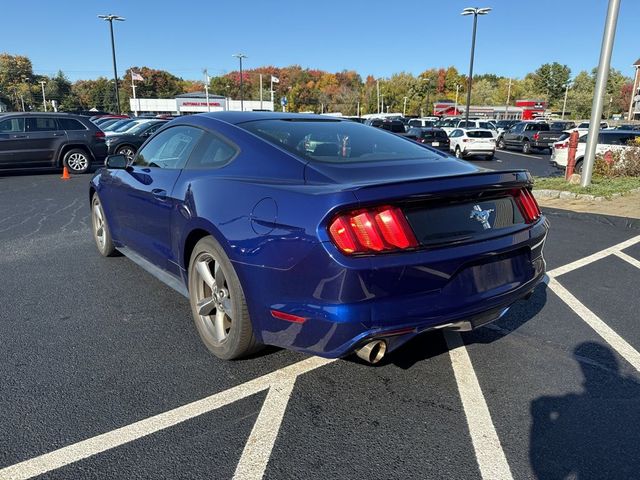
<point x="432" y="344"/>
<point x="591" y="434"/>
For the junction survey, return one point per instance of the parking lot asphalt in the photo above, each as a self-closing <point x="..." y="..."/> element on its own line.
<point x="537" y="162"/>
<point x="102" y="373"/>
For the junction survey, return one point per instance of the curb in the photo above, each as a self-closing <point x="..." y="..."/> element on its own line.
<point x="546" y="193"/>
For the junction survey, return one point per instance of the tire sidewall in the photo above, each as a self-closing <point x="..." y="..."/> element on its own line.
<point x="108" y="249"/>
<point x="82" y="152"/>
<point x="526" y="147"/>
<point x="235" y="340"/>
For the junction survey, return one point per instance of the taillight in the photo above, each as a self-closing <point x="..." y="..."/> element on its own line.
<point x="380" y="229"/>
<point x="528" y="205"/>
<point x="536" y="136"/>
<point x="561" y="145"/>
<point x="99" y="135"/>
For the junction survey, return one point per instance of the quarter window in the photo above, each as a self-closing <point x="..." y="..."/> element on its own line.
<point x="70" y="124"/>
<point x="12" y="125"/>
<point x="169" y="149"/>
<point x="211" y="152"/>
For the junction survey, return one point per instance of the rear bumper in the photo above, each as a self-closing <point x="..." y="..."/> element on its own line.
<point x="349" y="301"/>
<point x="479" y="151"/>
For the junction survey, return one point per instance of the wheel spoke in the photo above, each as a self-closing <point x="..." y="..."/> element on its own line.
<point x="219" y="275"/>
<point x="218" y="325"/>
<point x="205" y="273"/>
<point x="206" y="306"/>
<point x="226" y="305"/>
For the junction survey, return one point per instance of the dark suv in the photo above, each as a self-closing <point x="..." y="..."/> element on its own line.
<point x="50" y="140"/>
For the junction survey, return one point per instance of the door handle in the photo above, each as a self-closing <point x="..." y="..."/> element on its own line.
<point x="58" y="134"/>
<point x="159" y="193"/>
<point x="18" y="136"/>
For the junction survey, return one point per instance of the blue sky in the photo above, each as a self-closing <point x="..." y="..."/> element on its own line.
<point x="369" y="36"/>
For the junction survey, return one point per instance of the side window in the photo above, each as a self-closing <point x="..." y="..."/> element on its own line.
<point x="170" y="149"/>
<point x="12" y="125"/>
<point x="211" y="152"/>
<point x="41" y="124"/>
<point x="70" y="124"/>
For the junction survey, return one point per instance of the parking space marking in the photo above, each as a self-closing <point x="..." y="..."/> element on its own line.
<point x="115" y="438"/>
<point x="519" y="154"/>
<point x="569" y="267"/>
<point x="628" y="259"/>
<point x="257" y="450"/>
<point x="616" y="342"/>
<point x="486" y="444"/>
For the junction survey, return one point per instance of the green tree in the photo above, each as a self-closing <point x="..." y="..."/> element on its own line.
<point x="550" y="81"/>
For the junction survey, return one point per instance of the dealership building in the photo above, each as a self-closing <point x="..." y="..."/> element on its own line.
<point x="195" y="102"/>
<point x="523" y="110"/>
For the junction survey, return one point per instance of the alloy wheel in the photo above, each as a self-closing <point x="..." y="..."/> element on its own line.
<point x="77" y="162"/>
<point x="127" y="152"/>
<point x="212" y="298"/>
<point x="98" y="225"/>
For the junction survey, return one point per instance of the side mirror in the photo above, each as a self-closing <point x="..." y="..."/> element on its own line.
<point x="116" y="161"/>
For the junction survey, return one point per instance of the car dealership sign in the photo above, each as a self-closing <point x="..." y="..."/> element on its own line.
<point x="200" y="104"/>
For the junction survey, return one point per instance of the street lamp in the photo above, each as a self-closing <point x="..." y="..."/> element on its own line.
<point x="240" y="56"/>
<point x="475" y="11"/>
<point x="110" y="18"/>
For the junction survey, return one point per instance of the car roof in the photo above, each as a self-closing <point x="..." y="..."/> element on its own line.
<point x="236" y="118"/>
<point x="42" y="114"/>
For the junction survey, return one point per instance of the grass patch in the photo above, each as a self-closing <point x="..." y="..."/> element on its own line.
<point x="600" y="186"/>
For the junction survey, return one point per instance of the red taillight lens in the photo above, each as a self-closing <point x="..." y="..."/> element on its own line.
<point x="528" y="205"/>
<point x="100" y="134"/>
<point x="373" y="230"/>
<point x="536" y="136"/>
<point x="560" y="145"/>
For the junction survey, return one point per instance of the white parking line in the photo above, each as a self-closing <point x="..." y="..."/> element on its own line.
<point x="519" y="154"/>
<point x="489" y="454"/>
<point x="257" y="450"/>
<point x="628" y="259"/>
<point x="569" y="267"/>
<point x="115" y="438"/>
<point x="616" y="342"/>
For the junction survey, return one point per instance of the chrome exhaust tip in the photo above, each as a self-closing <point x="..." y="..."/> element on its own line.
<point x="373" y="351"/>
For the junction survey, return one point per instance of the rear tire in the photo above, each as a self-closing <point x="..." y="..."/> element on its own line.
<point x="578" y="168"/>
<point x="526" y="147"/>
<point x="77" y="161"/>
<point x="218" y="304"/>
<point x="458" y="152"/>
<point x="501" y="144"/>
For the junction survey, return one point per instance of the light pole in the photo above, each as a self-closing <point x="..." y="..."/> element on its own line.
<point x="564" y="103"/>
<point x="601" y="86"/>
<point x="44" y="98"/>
<point x="110" y="18"/>
<point x="506" y="105"/>
<point x="404" y="107"/>
<point x="240" y="56"/>
<point x="455" y="108"/>
<point x="634" y="90"/>
<point x="475" y="11"/>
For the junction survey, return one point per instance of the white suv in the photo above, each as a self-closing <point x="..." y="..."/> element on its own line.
<point x="472" y="142"/>
<point x="473" y="124"/>
<point x="608" y="140"/>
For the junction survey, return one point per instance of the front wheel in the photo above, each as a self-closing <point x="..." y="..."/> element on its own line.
<point x="217" y="302"/>
<point x="458" y="152"/>
<point x="501" y="144"/>
<point x="526" y="147"/>
<point x="77" y="160"/>
<point x="101" y="232"/>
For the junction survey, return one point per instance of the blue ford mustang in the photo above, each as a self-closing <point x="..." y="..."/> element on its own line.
<point x="318" y="234"/>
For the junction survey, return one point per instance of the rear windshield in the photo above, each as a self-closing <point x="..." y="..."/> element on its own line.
<point x="479" y="134"/>
<point x="335" y="141"/>
<point x="439" y="134"/>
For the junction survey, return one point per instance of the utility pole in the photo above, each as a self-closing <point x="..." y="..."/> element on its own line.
<point x="206" y="88"/>
<point x="260" y="91"/>
<point x="44" y="98"/>
<point x="110" y="18"/>
<point x="240" y="56"/>
<point x="506" y="106"/>
<point x="404" y="107"/>
<point x="601" y="86"/>
<point x="381" y="104"/>
<point x="455" y="109"/>
<point x="378" y="90"/>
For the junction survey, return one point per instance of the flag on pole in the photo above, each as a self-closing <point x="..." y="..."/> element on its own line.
<point x="137" y="77"/>
<point x="275" y="79"/>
